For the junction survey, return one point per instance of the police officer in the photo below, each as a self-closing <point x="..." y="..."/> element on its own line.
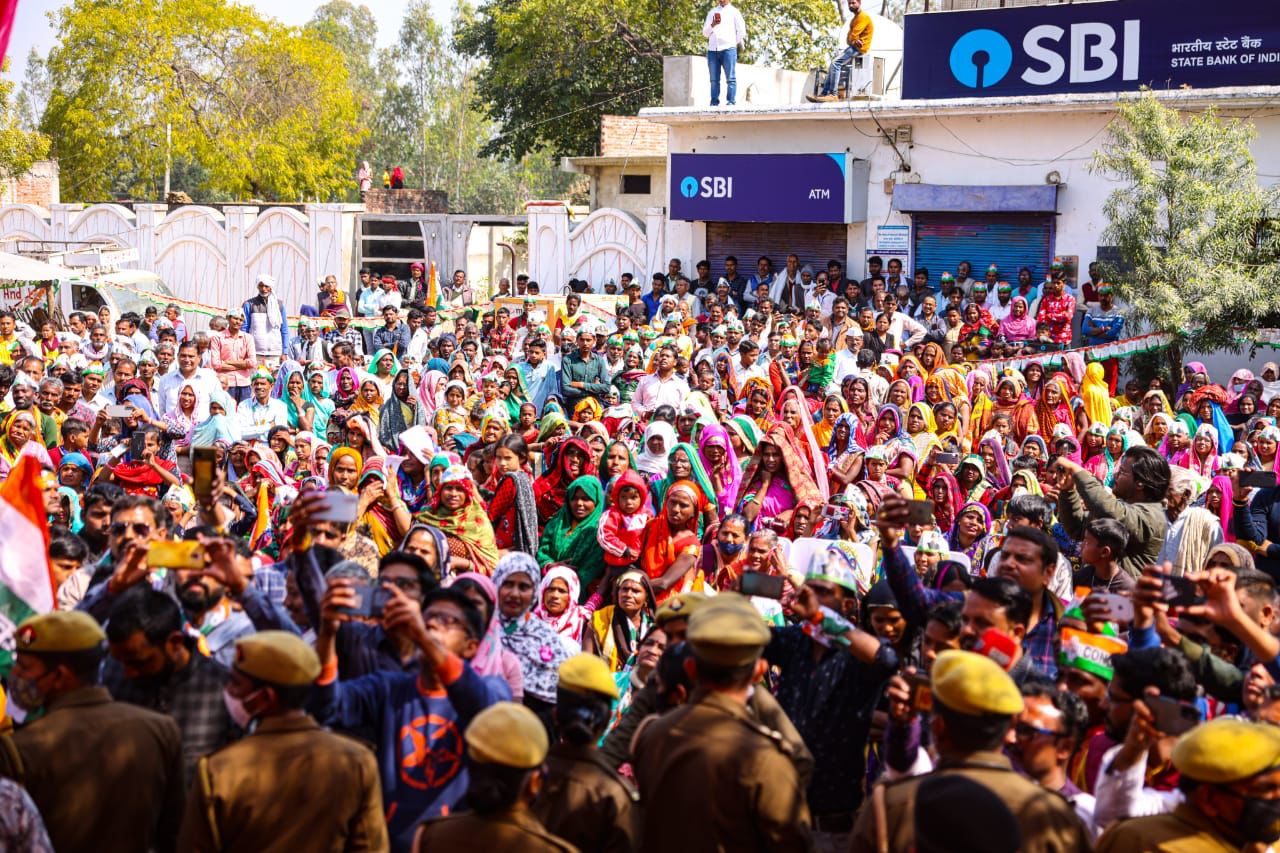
<point x="584" y="800"/>
<point x="974" y="704"/>
<point x="106" y="775"/>
<point x="329" y="782"/>
<point x="712" y="777"/>
<point x="1230" y="773"/>
<point x="506" y="745"/>
<point x="673" y="618"/>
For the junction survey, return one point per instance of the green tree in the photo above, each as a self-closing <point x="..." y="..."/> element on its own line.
<point x="1199" y="254"/>
<point x="20" y="146"/>
<point x="428" y="124"/>
<point x="555" y="66"/>
<point x="261" y="107"/>
<point x="33" y="96"/>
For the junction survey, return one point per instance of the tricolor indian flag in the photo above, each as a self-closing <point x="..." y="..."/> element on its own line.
<point x="433" y="288"/>
<point x="26" y="578"/>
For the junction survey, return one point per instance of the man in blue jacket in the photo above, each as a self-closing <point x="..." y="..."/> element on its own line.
<point x="418" y="718"/>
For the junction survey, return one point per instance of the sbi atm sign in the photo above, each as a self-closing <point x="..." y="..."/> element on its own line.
<point x="768" y="187"/>
<point x="1090" y="47"/>
<point x="710" y="186"/>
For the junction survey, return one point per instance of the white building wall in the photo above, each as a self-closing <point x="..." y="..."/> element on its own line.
<point x="998" y="149"/>
<point x="203" y="254"/>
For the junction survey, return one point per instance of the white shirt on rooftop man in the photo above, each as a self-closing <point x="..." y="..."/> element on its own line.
<point x="730" y="32"/>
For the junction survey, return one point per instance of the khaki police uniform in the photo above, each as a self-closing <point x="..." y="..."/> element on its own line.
<point x="290" y="785"/>
<point x="1221" y="752"/>
<point x="972" y="685"/>
<point x="586" y="802"/>
<point x="105" y="775"/>
<point x="514" y="831"/>
<point x="1047" y="820"/>
<point x="583" y="800"/>
<point x="508" y="735"/>
<point x="710" y="776"/>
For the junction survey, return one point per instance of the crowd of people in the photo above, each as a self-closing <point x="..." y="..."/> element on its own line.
<point x="778" y="562"/>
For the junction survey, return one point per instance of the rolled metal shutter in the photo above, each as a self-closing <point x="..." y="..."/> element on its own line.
<point x="1008" y="240"/>
<point x="747" y="241"/>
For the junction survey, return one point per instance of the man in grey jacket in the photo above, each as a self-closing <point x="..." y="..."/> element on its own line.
<point x="1136" y="500"/>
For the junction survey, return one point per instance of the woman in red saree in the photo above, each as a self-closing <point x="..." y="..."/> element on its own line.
<point x="670" y="550"/>
<point x="776" y="479"/>
<point x="794" y="412"/>
<point x="573" y="460"/>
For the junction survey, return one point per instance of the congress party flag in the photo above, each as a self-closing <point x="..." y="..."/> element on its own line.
<point x="26" y="578"/>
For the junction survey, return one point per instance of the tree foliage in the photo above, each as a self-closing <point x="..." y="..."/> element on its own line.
<point x="20" y="147"/>
<point x="427" y="123"/>
<point x="261" y="107"/>
<point x="555" y="66"/>
<point x="1199" y="254"/>
<point x="33" y="95"/>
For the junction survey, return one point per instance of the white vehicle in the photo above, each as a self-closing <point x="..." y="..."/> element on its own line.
<point x="81" y="281"/>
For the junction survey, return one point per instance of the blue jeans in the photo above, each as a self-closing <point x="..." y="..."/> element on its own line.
<point x="837" y="69"/>
<point x="728" y="60"/>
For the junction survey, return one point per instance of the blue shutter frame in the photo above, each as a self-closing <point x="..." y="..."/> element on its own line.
<point x="1008" y="240"/>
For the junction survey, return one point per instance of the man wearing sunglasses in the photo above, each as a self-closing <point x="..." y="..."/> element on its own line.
<point x="136" y="522"/>
<point x="1044" y="737"/>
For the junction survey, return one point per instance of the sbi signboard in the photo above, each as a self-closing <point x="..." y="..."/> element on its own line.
<point x="767" y="187"/>
<point x="1091" y="47"/>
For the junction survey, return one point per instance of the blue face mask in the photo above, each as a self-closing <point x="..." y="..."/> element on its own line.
<point x="730" y="549"/>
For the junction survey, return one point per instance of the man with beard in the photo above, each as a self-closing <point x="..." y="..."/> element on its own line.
<point x="1135" y="499"/>
<point x="72" y="403"/>
<point x="97" y="521"/>
<point x="136" y="521"/>
<point x="155" y="664"/>
<point x="208" y="608"/>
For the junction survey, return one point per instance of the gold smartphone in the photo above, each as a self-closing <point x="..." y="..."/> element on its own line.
<point x="186" y="554"/>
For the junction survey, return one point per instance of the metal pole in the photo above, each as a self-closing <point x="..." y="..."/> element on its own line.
<point x="168" y="145"/>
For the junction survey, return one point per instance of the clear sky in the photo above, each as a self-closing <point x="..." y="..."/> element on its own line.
<point x="32" y="29"/>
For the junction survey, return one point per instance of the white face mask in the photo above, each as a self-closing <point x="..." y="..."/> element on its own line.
<point x="235" y="707"/>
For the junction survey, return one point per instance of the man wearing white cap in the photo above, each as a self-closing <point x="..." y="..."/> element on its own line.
<point x="264" y="320"/>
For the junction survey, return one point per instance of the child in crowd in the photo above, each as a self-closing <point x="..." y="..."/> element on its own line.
<point x="821" y="372"/>
<point x="622" y="524"/>
<point x="1105" y="539"/>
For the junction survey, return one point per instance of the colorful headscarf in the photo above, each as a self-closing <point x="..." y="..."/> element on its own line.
<point x="469" y="525"/>
<point x="797" y="473"/>
<point x="573" y="541"/>
<point x="725" y="485"/>
<point x="575" y="617"/>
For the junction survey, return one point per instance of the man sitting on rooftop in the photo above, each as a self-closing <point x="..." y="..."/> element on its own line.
<point x="859" y="42"/>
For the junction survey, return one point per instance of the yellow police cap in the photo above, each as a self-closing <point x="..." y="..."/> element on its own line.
<point x="277" y="657"/>
<point x="1227" y="750"/>
<point x="679" y="606"/>
<point x="728" y="631"/>
<point x="60" y="631"/>
<point x="507" y="734"/>
<point x="587" y="673"/>
<point x="973" y="684"/>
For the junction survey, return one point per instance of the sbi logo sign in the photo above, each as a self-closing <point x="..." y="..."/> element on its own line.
<point x="982" y="58"/>
<point x="708" y="187"/>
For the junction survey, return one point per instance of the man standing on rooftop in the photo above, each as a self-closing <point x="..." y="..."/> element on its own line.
<point x="725" y="30"/>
